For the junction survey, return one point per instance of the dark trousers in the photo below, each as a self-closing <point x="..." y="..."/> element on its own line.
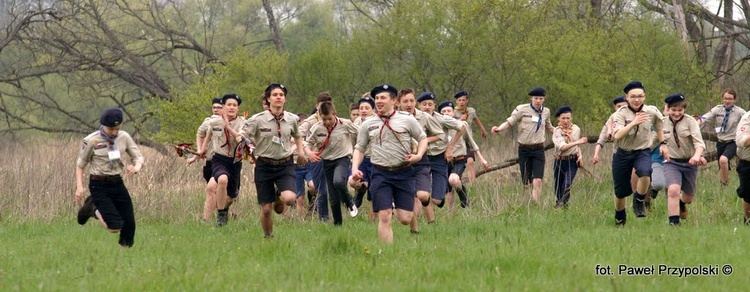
<point x="565" y="172"/>
<point x="319" y="180"/>
<point x="439" y="174"/>
<point x="113" y="201"/>
<point x="336" y="172"/>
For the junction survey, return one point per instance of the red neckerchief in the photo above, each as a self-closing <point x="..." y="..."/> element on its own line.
<point x="387" y="123"/>
<point x="277" y="119"/>
<point x="328" y="138"/>
<point x="674" y="129"/>
<point x="226" y="136"/>
<point x="567" y="132"/>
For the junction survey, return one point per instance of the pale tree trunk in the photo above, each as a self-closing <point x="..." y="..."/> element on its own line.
<point x="679" y="18"/>
<point x="724" y="54"/>
<point x="274" y="28"/>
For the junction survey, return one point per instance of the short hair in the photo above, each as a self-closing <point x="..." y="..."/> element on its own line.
<point x="324" y="96"/>
<point x="264" y="99"/>
<point x="404" y="92"/>
<point x="682" y="104"/>
<point x="730" y="91"/>
<point x="354" y="106"/>
<point x="302" y="116"/>
<point x="327" y="108"/>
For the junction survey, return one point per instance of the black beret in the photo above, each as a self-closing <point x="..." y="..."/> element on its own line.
<point x="538" y="92"/>
<point x="562" y="110"/>
<point x="111" y="117"/>
<point x="461" y="93"/>
<point x="384" y="88"/>
<point x="216" y="100"/>
<point x="425" y="96"/>
<point x="677" y="97"/>
<point x="619" y="99"/>
<point x="276" y="85"/>
<point x="231" y="96"/>
<point x="445" y="104"/>
<point x="367" y="100"/>
<point x="633" y="85"/>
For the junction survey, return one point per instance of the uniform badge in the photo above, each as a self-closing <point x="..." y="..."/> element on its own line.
<point x="265" y="130"/>
<point x="374" y="127"/>
<point x="100" y="146"/>
<point x="322" y="134"/>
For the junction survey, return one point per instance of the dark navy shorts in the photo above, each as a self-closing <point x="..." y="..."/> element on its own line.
<point x="269" y="177"/>
<point x="422" y="175"/>
<point x="623" y="163"/>
<point x="391" y="188"/>
<point x="223" y="165"/>
<point x="208" y="171"/>
<point x="439" y="173"/>
<point x="531" y="162"/>
<point x="729" y="150"/>
<point x="458" y="168"/>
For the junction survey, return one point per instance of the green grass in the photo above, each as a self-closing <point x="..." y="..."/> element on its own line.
<point x="500" y="243"/>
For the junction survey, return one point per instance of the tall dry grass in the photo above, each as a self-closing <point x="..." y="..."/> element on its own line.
<point x="37" y="180"/>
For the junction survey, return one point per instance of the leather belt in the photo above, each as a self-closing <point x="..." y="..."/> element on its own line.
<point x="392" y="168"/>
<point x="96" y="177"/>
<point x="686" y="160"/>
<point x="725" y="141"/>
<point x="566" y="157"/>
<point x="531" y="146"/>
<point x="459" y="158"/>
<point x="272" y="161"/>
<point x="629" y="151"/>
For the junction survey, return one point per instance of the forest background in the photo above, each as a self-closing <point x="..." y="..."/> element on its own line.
<point x="161" y="61"/>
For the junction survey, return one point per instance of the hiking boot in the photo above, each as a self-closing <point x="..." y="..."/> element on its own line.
<point x="278" y="205"/>
<point x="222" y="219"/>
<point x="86" y="211"/>
<point x="463" y="197"/>
<point x="639" y="208"/>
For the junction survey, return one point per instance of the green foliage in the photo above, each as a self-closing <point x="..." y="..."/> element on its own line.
<point x="245" y="74"/>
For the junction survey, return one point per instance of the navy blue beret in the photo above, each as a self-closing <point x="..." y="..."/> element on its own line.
<point x="633" y="85"/>
<point x="111" y="117"/>
<point x="538" y="92"/>
<point x="216" y="100"/>
<point x="619" y="99"/>
<point x="425" y="96"/>
<point x="231" y="96"/>
<point x="677" y="97"/>
<point x="366" y="100"/>
<point x="276" y="85"/>
<point x="445" y="104"/>
<point x="562" y="110"/>
<point x="461" y="93"/>
<point x="384" y="88"/>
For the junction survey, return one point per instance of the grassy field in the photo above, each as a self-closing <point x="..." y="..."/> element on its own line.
<point x="500" y="243"/>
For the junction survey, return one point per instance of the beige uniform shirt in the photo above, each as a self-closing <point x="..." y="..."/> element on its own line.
<point x="358" y="121"/>
<point x="460" y="148"/>
<point x="96" y="148"/>
<point x="272" y="138"/>
<point x="470" y="113"/>
<point x="304" y="127"/>
<point x="743" y="133"/>
<point x="715" y="117"/>
<point x="339" y="144"/>
<point x="603" y="134"/>
<point x="639" y="137"/>
<point x="560" y="139"/>
<point x="688" y="135"/>
<point x="446" y="123"/>
<point x="527" y="119"/>
<point x="202" y="130"/>
<point x="390" y="145"/>
<point x="430" y="125"/>
<point x="222" y="142"/>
